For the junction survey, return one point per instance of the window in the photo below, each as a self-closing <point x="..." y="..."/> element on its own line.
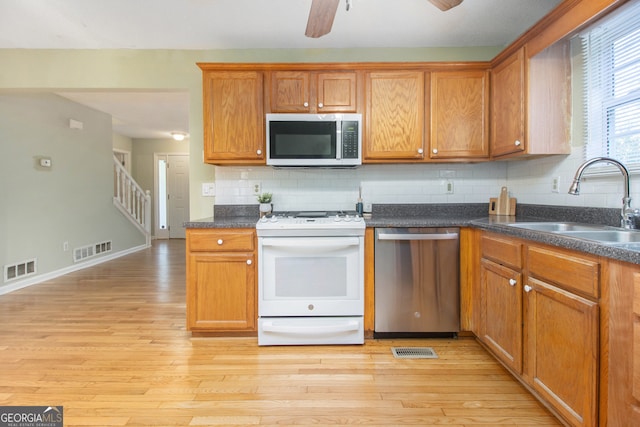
<point x="611" y="57"/>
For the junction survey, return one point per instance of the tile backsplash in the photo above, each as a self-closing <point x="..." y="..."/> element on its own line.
<point x="529" y="181"/>
<point x="318" y="189"/>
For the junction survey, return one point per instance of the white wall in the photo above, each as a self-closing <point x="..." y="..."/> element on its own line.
<point x="72" y="201"/>
<point x="531" y="182"/>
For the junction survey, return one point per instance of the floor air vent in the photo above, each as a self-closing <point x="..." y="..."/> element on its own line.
<point x="21" y="269"/>
<point x="413" y="353"/>
<point x="84" y="252"/>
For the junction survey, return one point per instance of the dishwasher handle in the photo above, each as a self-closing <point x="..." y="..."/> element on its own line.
<point x="418" y="236"/>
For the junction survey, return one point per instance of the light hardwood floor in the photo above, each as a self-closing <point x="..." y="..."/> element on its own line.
<point x="109" y="344"/>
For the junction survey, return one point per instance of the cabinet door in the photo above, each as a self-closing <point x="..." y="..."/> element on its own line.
<point x="290" y="92"/>
<point x="459" y="114"/>
<point x="501" y="312"/>
<point x="337" y="92"/>
<point x="394" y="115"/>
<point x="221" y="292"/>
<point x="562" y="350"/>
<point x="508" y="106"/>
<point x="233" y="117"/>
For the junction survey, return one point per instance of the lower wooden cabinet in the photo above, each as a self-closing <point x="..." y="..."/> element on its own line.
<point x="501" y="312"/>
<point x="562" y="348"/>
<point x="623" y="330"/>
<point x="539" y="315"/>
<point x="221" y="281"/>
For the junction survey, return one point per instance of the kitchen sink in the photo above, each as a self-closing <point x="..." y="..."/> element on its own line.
<point x="619" y="237"/>
<point x="556" y="227"/>
<point x="606" y="236"/>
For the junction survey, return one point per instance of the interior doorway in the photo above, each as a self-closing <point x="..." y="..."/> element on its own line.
<point x="124" y="157"/>
<point x="172" y="195"/>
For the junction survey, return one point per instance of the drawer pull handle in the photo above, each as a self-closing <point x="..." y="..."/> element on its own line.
<point x="220" y="241"/>
<point x="527" y="288"/>
<point x="512" y="282"/>
<point x="249" y="262"/>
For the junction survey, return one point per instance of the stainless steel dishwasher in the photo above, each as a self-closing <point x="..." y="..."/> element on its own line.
<point x="417" y="282"/>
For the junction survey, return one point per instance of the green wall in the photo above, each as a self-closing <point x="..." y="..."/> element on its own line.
<point x="25" y="69"/>
<point x="71" y="201"/>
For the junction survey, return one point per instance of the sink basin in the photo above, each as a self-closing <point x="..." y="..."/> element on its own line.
<point x="606" y="236"/>
<point x="619" y="237"/>
<point x="556" y="227"/>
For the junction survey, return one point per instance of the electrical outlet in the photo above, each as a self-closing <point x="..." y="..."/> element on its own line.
<point x="555" y="185"/>
<point x="256" y="188"/>
<point x="448" y="187"/>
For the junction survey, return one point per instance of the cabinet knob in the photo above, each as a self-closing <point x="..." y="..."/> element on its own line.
<point x="259" y="152"/>
<point x="320" y="105"/>
<point x="249" y="262"/>
<point x="220" y="241"/>
<point x="434" y="151"/>
<point x="517" y="143"/>
<point x="306" y="104"/>
<point x="527" y="288"/>
<point x="420" y="151"/>
<point x="512" y="282"/>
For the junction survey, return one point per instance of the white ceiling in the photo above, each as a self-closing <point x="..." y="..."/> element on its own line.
<point x="243" y="24"/>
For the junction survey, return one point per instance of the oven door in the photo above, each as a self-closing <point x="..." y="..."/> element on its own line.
<point x="311" y="276"/>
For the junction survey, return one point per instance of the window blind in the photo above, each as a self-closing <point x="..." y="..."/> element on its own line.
<point x="611" y="58"/>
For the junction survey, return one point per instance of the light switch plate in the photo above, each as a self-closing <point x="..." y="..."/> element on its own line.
<point x="208" y="189"/>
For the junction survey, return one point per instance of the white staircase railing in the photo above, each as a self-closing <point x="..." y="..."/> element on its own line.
<point x="132" y="200"/>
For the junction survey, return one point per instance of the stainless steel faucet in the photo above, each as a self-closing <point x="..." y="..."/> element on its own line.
<point x="628" y="215"/>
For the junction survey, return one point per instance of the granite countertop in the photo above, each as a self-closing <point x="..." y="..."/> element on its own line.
<point x="461" y="215"/>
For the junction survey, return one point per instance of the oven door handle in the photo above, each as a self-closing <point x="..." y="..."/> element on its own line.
<point x="349" y="326"/>
<point x="428" y="236"/>
<point x="310" y="242"/>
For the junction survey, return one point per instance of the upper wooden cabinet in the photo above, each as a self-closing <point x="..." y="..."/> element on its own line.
<point x="394" y="116"/>
<point x="531" y="103"/>
<point x="459" y="114"/>
<point x="313" y="92"/>
<point x="233" y="117"/>
<point x="507" y="106"/>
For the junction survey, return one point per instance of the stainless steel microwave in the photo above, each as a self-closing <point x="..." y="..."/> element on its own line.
<point x="307" y="140"/>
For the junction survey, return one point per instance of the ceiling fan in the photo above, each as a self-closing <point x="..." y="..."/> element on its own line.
<point x="323" y="11"/>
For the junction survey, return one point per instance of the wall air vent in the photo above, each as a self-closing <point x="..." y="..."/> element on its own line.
<point x="89" y="251"/>
<point x="19" y="270"/>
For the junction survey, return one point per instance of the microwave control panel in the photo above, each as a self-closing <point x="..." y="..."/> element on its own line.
<point x="350" y="143"/>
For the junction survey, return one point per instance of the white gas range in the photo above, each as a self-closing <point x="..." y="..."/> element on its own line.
<point x="311" y="278"/>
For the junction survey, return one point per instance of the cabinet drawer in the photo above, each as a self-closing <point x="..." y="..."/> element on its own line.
<point x="566" y="269"/>
<point x="502" y="251"/>
<point x="220" y="240"/>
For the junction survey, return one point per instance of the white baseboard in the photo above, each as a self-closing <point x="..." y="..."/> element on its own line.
<point x="33" y="280"/>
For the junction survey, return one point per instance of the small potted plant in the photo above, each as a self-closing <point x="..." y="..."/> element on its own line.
<point x="265" y="203"/>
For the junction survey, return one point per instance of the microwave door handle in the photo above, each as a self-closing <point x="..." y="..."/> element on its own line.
<point x="433" y="236"/>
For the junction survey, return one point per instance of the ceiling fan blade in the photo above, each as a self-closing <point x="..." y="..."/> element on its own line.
<point x="321" y="17"/>
<point x="445" y="5"/>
